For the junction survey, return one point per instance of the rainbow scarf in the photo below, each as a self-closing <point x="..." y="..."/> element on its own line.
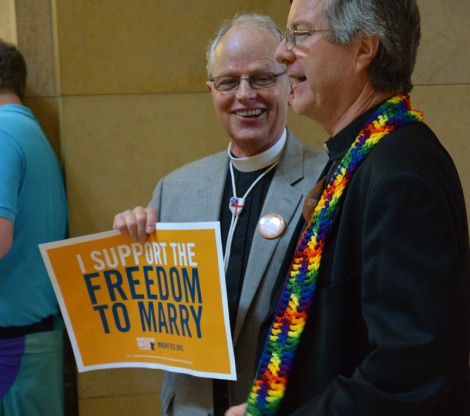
<point x="297" y="295"/>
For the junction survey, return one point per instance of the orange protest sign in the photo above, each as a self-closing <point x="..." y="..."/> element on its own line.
<point x="158" y="304"/>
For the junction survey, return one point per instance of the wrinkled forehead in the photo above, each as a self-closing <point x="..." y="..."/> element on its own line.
<point x="245" y="48"/>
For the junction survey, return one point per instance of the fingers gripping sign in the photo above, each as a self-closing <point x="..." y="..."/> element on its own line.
<point x="137" y="223"/>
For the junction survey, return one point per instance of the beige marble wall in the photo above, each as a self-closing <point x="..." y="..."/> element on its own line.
<point x="119" y="86"/>
<point x="35" y="39"/>
<point x="7" y="21"/>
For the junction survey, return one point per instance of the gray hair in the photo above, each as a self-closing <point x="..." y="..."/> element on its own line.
<point x="397" y="25"/>
<point x="256" y="20"/>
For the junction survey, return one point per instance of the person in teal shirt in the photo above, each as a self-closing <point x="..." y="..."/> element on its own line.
<point x="33" y="210"/>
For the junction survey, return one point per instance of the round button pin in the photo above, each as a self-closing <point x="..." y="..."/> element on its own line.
<point x="271" y="225"/>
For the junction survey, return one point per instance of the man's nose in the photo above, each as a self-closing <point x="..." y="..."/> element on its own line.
<point x="245" y="90"/>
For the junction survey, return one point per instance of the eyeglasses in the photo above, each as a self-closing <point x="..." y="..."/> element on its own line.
<point x="292" y="36"/>
<point x="259" y="81"/>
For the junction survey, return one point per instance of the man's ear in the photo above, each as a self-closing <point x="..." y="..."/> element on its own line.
<point x="367" y="49"/>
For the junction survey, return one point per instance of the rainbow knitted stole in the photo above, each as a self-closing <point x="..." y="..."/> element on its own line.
<point x="298" y="291"/>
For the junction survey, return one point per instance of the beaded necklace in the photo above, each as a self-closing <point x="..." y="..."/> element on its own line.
<point x="297" y="295"/>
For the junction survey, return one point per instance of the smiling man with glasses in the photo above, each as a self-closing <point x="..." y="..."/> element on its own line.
<point x="256" y="190"/>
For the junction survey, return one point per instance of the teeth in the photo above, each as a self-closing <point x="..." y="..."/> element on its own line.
<point x="249" y="113"/>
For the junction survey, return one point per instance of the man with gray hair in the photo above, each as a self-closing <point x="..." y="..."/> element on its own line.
<point x="371" y="309"/>
<point x="256" y="189"/>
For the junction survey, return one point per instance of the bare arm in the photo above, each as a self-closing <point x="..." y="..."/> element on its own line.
<point x="6" y="236"/>
<point x="137" y="223"/>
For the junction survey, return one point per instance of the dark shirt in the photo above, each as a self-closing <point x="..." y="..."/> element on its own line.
<point x="243" y="236"/>
<point x="241" y="245"/>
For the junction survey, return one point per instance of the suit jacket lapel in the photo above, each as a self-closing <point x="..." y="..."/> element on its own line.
<point x="283" y="199"/>
<point x="215" y="193"/>
<point x="206" y="200"/>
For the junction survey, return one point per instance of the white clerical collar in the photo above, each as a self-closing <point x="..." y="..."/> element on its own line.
<point x="260" y="160"/>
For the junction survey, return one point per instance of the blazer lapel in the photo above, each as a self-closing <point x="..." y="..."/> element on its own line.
<point x="206" y="199"/>
<point x="215" y="193"/>
<point x="283" y="199"/>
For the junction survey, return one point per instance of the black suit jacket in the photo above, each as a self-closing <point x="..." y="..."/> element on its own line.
<point x="388" y="331"/>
